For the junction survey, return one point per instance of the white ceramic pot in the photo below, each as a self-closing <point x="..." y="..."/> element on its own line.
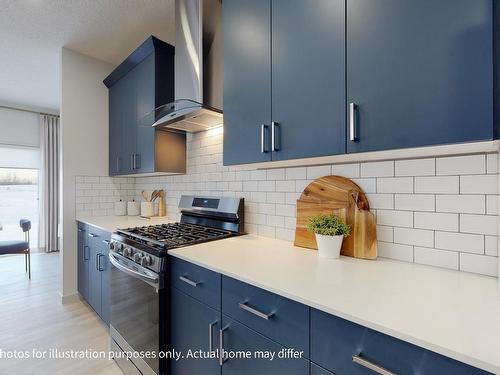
<point x="147" y="209"/>
<point x="329" y="246"/>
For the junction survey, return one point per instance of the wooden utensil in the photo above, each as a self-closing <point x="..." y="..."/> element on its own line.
<point x="342" y="197"/>
<point x="154" y="195"/>
<point x="145" y="196"/>
<point x="161" y="204"/>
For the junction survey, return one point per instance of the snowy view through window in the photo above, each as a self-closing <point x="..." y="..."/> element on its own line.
<point x="18" y="200"/>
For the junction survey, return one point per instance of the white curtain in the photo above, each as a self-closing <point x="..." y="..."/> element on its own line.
<point x="49" y="182"/>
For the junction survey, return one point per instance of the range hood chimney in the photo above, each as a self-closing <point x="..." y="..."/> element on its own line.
<point x="198" y="68"/>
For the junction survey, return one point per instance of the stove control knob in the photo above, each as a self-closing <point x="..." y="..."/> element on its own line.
<point x="138" y="257"/>
<point x="146" y="261"/>
<point x="119" y="247"/>
<point x="128" y="252"/>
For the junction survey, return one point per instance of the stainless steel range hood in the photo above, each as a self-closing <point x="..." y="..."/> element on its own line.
<point x="198" y="68"/>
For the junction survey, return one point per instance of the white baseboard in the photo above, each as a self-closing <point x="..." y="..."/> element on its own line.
<point x="70" y="298"/>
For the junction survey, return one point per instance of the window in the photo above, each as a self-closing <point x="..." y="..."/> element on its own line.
<point x="18" y="200"/>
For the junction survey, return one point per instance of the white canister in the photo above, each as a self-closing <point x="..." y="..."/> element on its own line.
<point x="329" y="246"/>
<point x="120" y="208"/>
<point x="147" y="209"/>
<point x="133" y="208"/>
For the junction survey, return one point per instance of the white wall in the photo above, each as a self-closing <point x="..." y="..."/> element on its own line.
<point x="84" y="127"/>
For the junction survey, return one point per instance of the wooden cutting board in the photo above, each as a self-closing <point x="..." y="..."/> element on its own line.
<point x="341" y="196"/>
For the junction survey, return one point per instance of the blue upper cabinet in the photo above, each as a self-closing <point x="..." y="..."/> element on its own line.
<point x="308" y="78"/>
<point x="142" y="83"/>
<point x="419" y="72"/>
<point x="304" y="77"/>
<point x="247" y="81"/>
<point x="284" y="90"/>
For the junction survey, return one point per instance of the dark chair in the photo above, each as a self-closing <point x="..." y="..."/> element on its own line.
<point x="20" y="247"/>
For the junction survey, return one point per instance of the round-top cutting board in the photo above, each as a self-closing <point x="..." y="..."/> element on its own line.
<point x="341" y="196"/>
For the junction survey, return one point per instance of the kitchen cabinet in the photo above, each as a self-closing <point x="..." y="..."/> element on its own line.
<point x="83" y="261"/>
<point x="94" y="272"/>
<point x="355" y="76"/>
<point x="419" y="72"/>
<point x="284" y="90"/>
<point x="247" y="81"/>
<point x="194" y="326"/>
<point x="340" y="346"/>
<point x="237" y="338"/>
<point x="138" y="86"/>
<point x="330" y="341"/>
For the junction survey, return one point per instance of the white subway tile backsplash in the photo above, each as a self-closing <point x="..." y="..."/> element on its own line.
<point x="416" y="167"/>
<point x="480" y="224"/>
<point x="414" y="202"/>
<point x="469" y="204"/>
<point x="377" y="169"/>
<point x="492" y="163"/>
<point x="319" y="171"/>
<point x="461" y="165"/>
<point x="436" y="258"/>
<point x="285" y="186"/>
<point x="369" y="185"/>
<point x="395" y="218"/>
<point x="299" y="173"/>
<point x="492" y="204"/>
<point x="484" y="184"/>
<point x="395" y="251"/>
<point x="437" y="185"/>
<point x="402" y="195"/>
<point x="436" y="221"/>
<point x="346" y="170"/>
<point x="381" y="201"/>
<point x="482" y="264"/>
<point x="276" y="174"/>
<point x="417" y="237"/>
<point x="491" y="245"/>
<point x="385" y="233"/>
<point x="395" y="185"/>
<point x="463" y="242"/>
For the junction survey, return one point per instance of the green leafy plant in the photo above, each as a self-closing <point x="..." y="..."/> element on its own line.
<point x="328" y="225"/>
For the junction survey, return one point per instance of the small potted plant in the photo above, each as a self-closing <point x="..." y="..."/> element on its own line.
<point x="330" y="231"/>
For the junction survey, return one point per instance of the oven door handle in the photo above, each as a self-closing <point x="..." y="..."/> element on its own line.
<point x="115" y="262"/>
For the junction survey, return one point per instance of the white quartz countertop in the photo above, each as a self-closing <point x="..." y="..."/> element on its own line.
<point x="453" y="313"/>
<point x="112" y="223"/>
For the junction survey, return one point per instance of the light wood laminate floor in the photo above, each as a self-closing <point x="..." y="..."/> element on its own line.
<point x="33" y="317"/>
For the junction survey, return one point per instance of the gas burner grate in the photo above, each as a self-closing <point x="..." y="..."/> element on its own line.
<point x="175" y="234"/>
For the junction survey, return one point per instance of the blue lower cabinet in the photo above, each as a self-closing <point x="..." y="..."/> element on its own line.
<point x="316" y="370"/>
<point x="240" y="341"/>
<point x="194" y="327"/>
<point x="347" y="348"/>
<point x="279" y="318"/>
<point x="94" y="271"/>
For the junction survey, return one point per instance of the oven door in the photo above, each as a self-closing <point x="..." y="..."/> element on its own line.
<point x="135" y="315"/>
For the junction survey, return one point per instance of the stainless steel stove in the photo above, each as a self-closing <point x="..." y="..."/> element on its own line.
<point x="139" y="293"/>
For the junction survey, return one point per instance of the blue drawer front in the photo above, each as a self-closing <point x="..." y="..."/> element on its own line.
<point x="238" y="338"/>
<point x="334" y="341"/>
<point x="195" y="281"/>
<point x="288" y="324"/>
<point x="316" y="370"/>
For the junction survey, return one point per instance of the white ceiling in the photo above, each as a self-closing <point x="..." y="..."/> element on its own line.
<point x="32" y="33"/>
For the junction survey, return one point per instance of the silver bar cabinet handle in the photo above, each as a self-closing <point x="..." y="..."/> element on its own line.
<point x="274" y="147"/>
<point x="106" y="242"/>
<point x="93" y="235"/>
<point x="221" y="345"/>
<point x="352" y="122"/>
<point x="253" y="311"/>
<point x="210" y="335"/>
<point x="189" y="282"/>
<point x="371" y="366"/>
<point x="263" y="148"/>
